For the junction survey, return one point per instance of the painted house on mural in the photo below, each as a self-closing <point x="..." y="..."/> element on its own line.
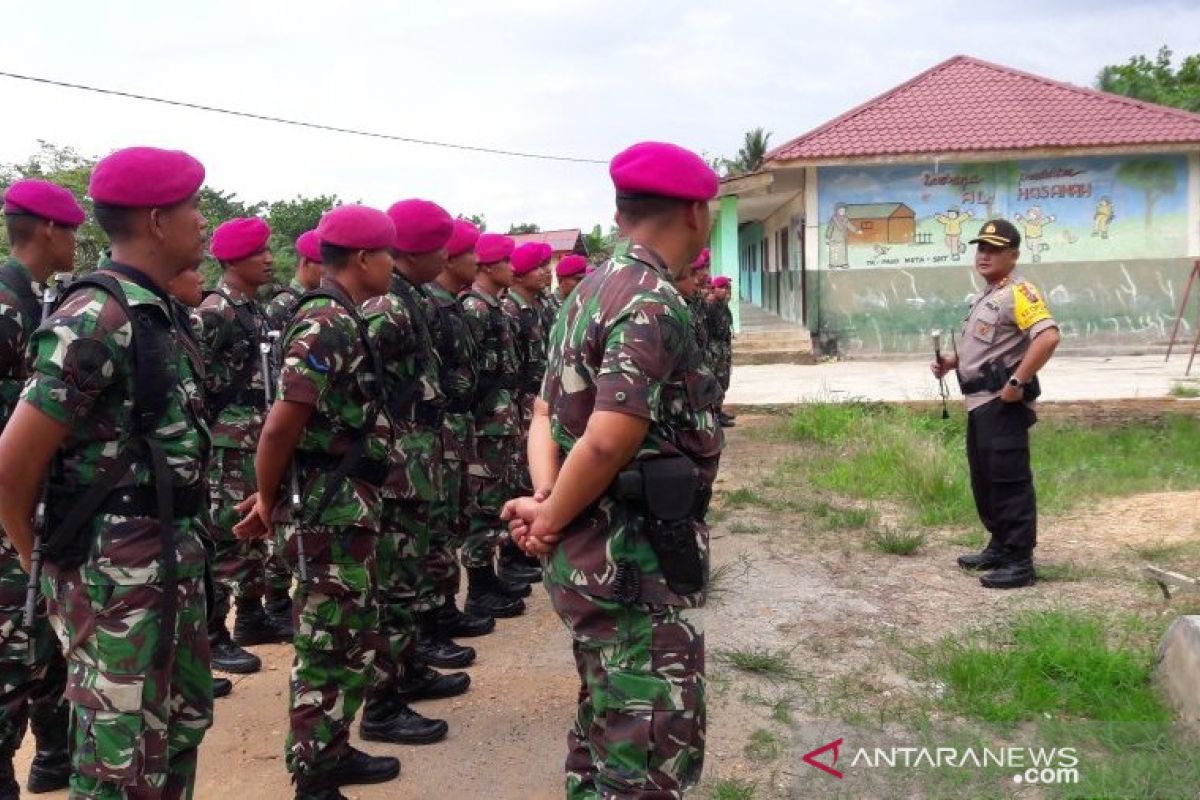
<point x="858" y="229"/>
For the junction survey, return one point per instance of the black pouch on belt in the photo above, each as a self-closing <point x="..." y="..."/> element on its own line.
<point x="670" y="488"/>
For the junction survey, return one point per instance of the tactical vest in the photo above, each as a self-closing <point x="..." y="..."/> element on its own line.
<point x="450" y="354"/>
<point x="495" y="379"/>
<point x="240" y="390"/>
<point x="354" y="462"/>
<point x="153" y="347"/>
<point x="404" y="404"/>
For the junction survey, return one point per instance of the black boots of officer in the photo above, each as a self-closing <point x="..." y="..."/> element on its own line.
<point x="222" y="687"/>
<point x="50" y="769"/>
<point x="49" y="722"/>
<point x="279" y="608"/>
<point x="1006" y="570"/>
<point x="435" y="647"/>
<point x="488" y="596"/>
<point x="253" y="625"/>
<point x="423" y="682"/>
<point x="355" y="768"/>
<point x="388" y="719"/>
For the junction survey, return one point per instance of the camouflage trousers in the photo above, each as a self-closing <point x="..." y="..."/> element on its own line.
<point x="335" y="615"/>
<point x="32" y="669"/>
<point x="448" y="522"/>
<point x="521" y="482"/>
<point x="238" y="564"/>
<point x="639" y="728"/>
<point x="401" y="591"/>
<point x="137" y="718"/>
<point x="490" y="478"/>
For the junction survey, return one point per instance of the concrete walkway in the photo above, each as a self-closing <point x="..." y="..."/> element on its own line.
<point x="1065" y="378"/>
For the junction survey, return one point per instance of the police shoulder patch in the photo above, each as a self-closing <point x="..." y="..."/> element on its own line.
<point x="1028" y="306"/>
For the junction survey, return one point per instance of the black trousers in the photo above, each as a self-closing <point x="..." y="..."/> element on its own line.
<point x="1001" y="479"/>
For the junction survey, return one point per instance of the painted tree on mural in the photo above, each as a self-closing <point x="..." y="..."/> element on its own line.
<point x="1155" y="177"/>
<point x="1156" y="81"/>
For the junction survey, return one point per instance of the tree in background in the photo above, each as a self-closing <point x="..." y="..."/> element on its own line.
<point x="599" y="245"/>
<point x="475" y="219"/>
<point x="1155" y="81"/>
<point x="750" y="157"/>
<point x="288" y="219"/>
<point x="524" y="227"/>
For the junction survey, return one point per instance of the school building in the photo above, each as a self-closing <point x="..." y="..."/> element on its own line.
<point x="858" y="229"/>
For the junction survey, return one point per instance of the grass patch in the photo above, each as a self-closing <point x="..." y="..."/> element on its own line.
<point x="837" y="518"/>
<point x="722" y="578"/>
<point x="763" y="746"/>
<point x="1055" y="662"/>
<point x="1164" y="552"/>
<point x="774" y="664"/>
<point x="780" y="705"/>
<point x="733" y="789"/>
<point x="1074" y="679"/>
<point x="1184" y="390"/>
<point x="895" y="542"/>
<point x="741" y="497"/>
<point x="739" y="526"/>
<point x="1066" y="572"/>
<point x="877" y="451"/>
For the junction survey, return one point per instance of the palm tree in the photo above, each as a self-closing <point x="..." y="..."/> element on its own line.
<point x="750" y="157"/>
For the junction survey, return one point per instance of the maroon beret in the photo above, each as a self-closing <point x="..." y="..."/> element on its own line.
<point x="720" y="282"/>
<point x="529" y="257"/>
<point x="571" y="265"/>
<point x="421" y="226"/>
<point x="662" y="170"/>
<point x="357" y="228"/>
<point x="463" y="239"/>
<point x="239" y="238"/>
<point x="493" y="247"/>
<point x="43" y="199"/>
<point x="145" y="177"/>
<point x="308" y="245"/>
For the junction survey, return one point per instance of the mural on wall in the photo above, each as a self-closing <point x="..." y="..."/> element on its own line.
<point x="1069" y="209"/>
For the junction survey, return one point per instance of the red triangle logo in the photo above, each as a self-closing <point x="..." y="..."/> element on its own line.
<point x="810" y="758"/>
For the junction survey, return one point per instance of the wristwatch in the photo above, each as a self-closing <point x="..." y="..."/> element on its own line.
<point x="1016" y="384"/>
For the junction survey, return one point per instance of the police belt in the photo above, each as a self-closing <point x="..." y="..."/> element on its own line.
<point x="136" y="501"/>
<point x="993" y="378"/>
<point x="368" y="470"/>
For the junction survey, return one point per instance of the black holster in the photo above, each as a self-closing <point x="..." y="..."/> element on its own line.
<point x="670" y="496"/>
<point x="993" y="378"/>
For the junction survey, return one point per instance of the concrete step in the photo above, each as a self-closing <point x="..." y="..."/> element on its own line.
<point x="783" y="337"/>
<point x="792" y="356"/>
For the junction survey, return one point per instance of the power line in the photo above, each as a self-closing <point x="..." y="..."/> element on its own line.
<point x="299" y="123"/>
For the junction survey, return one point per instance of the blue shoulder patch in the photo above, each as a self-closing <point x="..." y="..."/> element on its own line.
<point x="317" y="365"/>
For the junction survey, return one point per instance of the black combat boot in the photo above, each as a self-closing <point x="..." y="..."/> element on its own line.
<point x="356" y="767"/>
<point x="434" y="647"/>
<point x="989" y="558"/>
<point x="484" y="597"/>
<point x="9" y="788"/>
<point x="456" y="624"/>
<point x="279" y="608"/>
<point x="726" y="420"/>
<point x="1016" y="573"/>
<point x="388" y="719"/>
<point x="227" y="656"/>
<point x="422" y="682"/>
<point x="222" y="687"/>
<point x="253" y="625"/>
<point x="310" y="792"/>
<point x="515" y="569"/>
<point x="50" y="770"/>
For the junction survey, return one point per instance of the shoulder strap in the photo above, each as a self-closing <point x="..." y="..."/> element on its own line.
<point x="330" y="293"/>
<point x="244" y="317"/>
<point x="16" y="282"/>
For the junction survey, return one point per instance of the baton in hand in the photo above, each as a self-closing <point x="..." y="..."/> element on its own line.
<point x="943" y="390"/>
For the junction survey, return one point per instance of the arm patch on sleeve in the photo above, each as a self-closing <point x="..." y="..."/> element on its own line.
<point x="1028" y="306"/>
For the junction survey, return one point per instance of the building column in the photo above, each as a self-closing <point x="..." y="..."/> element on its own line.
<point x="725" y="252"/>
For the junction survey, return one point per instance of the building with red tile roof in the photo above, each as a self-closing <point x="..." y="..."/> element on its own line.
<point x="858" y="229"/>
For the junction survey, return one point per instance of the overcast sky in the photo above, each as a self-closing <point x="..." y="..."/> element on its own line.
<point x="583" y="78"/>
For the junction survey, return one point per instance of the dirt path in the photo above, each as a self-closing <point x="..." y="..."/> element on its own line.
<point x="837" y="608"/>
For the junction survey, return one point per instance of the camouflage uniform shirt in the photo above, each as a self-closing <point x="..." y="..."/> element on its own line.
<point x="282" y="304"/>
<point x="229" y="326"/>
<point x="528" y="318"/>
<point x="15" y="327"/>
<point x="623" y="343"/>
<point x="327" y="366"/>
<point x="496" y="412"/>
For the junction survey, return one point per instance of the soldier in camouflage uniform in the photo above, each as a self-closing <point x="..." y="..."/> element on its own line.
<point x="623" y="393"/>
<point x="695" y="302"/>
<point x="497" y="430"/>
<point x="719" y="320"/>
<point x="119" y="401"/>
<point x="41" y="220"/>
<point x="279" y="312"/>
<point x="523" y="305"/>
<point x="450" y="516"/>
<point x="230" y="325"/>
<point x="329" y="419"/>
<point x="400" y="323"/>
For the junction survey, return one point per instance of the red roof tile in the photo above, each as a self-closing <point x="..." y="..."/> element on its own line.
<point x="562" y="241"/>
<point x="965" y="104"/>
